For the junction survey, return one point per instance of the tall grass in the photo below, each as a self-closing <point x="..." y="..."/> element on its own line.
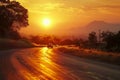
<point x="108" y="57"/>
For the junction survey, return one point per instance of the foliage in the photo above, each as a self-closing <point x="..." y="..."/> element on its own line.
<point x="55" y="40"/>
<point x="13" y="16"/>
<point x="112" y="40"/>
<point x="92" y="39"/>
<point x="45" y="39"/>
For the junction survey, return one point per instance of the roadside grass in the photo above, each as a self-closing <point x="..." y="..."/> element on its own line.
<point x="12" y="44"/>
<point x="109" y="57"/>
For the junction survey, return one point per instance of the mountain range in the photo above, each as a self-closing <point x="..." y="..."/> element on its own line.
<point x="96" y="26"/>
<point x="103" y="26"/>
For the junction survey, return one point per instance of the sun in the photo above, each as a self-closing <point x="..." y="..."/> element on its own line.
<point x="46" y="22"/>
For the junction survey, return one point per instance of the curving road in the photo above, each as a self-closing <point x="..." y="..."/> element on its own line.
<point x="49" y="64"/>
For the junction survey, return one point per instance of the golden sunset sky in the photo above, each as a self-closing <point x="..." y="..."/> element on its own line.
<point x="67" y="14"/>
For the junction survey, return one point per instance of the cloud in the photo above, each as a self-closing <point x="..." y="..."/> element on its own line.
<point x="48" y="8"/>
<point x="111" y="6"/>
<point x="102" y="9"/>
<point x="68" y="9"/>
<point x="71" y="7"/>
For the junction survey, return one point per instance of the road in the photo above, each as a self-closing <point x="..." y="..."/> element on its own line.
<point x="48" y="64"/>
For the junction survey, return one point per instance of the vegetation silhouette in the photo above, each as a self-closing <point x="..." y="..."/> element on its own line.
<point x="13" y="16"/>
<point x="111" y="41"/>
<point x="92" y="40"/>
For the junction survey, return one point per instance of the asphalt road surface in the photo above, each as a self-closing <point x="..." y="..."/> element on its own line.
<point x="48" y="64"/>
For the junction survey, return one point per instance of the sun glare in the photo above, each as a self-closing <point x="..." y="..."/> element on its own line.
<point x="46" y="22"/>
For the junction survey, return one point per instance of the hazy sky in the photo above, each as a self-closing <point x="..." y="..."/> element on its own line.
<point x="68" y="14"/>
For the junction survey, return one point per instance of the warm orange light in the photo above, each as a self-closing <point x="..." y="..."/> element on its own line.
<point x="46" y="22"/>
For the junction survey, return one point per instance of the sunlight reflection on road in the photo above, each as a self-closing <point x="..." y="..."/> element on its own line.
<point x="43" y="64"/>
<point x="46" y="62"/>
<point x="45" y="55"/>
<point x="50" y="68"/>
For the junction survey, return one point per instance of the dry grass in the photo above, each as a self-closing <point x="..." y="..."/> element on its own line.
<point x="11" y="44"/>
<point x="109" y="57"/>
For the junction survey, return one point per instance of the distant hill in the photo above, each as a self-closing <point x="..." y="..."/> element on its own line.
<point x="96" y="26"/>
<point x="103" y="26"/>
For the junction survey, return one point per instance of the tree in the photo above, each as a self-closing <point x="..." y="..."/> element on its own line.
<point x="108" y="39"/>
<point x="66" y="42"/>
<point x="5" y="1"/>
<point x="92" y="39"/>
<point x="13" y="16"/>
<point x="112" y="41"/>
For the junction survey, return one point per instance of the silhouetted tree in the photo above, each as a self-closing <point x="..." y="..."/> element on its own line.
<point x="5" y="1"/>
<point x="56" y="40"/>
<point x="66" y="42"/>
<point x="35" y="39"/>
<point x="92" y="39"/>
<point x="111" y="40"/>
<point x="13" y="16"/>
<point x="107" y="38"/>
